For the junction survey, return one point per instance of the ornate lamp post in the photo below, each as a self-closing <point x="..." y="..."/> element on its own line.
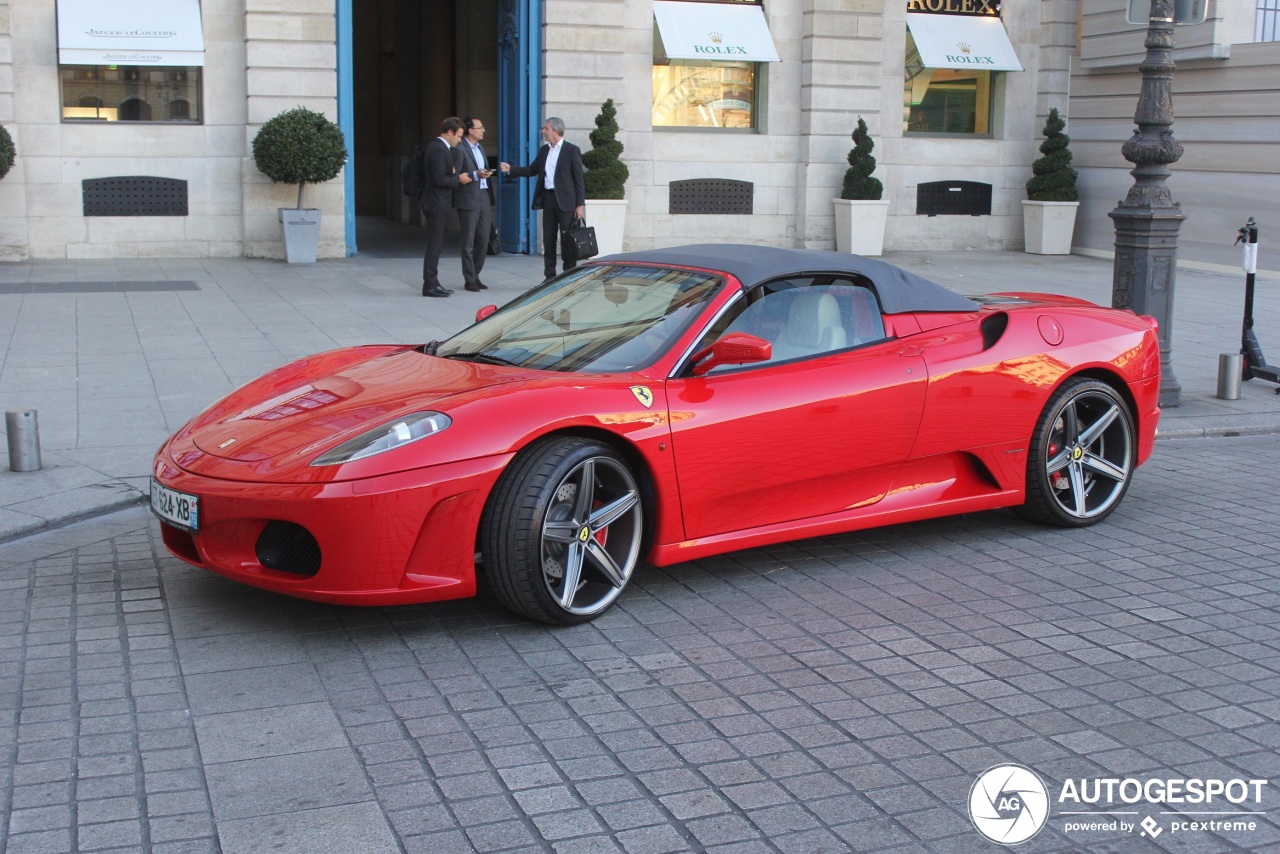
<point x="1147" y="221"/>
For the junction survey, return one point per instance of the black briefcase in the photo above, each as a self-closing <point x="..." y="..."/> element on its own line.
<point x="583" y="239"/>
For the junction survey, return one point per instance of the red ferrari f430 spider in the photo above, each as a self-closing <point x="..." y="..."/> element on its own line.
<point x="658" y="406"/>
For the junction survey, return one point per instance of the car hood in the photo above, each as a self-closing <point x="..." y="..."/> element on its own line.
<point x="331" y="398"/>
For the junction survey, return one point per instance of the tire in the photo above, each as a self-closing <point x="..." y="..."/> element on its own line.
<point x="1082" y="455"/>
<point x="561" y="532"/>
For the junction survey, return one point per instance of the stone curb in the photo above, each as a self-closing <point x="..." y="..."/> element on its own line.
<point x="41" y="526"/>
<point x="1217" y="432"/>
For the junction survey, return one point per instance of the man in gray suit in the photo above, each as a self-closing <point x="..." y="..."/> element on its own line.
<point x="474" y="202"/>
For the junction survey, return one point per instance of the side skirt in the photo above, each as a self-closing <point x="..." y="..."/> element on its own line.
<point x="946" y="485"/>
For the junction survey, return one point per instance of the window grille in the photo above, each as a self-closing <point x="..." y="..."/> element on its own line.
<point x="1267" y="26"/>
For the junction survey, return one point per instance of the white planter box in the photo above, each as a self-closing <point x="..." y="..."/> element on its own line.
<point x="860" y="226"/>
<point x="609" y="218"/>
<point x="1049" y="226"/>
<point x="301" y="234"/>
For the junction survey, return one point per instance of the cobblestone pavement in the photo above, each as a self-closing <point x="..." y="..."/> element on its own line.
<point x="827" y="695"/>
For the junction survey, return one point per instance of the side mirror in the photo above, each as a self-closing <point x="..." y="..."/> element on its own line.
<point x="485" y="312"/>
<point x="736" y="348"/>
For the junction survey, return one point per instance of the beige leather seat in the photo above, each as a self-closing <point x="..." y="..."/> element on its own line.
<point x="813" y="326"/>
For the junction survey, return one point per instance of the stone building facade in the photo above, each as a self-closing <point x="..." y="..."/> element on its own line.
<point x="389" y="70"/>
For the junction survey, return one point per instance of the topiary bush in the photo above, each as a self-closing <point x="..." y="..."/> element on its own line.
<point x="7" y="152"/>
<point x="301" y="147"/>
<point x="1055" y="180"/>
<point x="858" y="183"/>
<point x="606" y="176"/>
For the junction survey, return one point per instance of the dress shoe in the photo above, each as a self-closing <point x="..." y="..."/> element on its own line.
<point x="481" y="285"/>
<point x="436" y="292"/>
<point x="474" y="286"/>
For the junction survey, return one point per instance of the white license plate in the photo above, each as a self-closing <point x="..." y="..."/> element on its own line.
<point x="176" y="508"/>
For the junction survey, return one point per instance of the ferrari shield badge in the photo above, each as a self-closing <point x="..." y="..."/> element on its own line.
<point x="643" y="395"/>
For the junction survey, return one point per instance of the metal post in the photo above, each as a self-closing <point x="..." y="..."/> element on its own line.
<point x="1229" y="370"/>
<point x="1147" y="221"/>
<point x="23" y="428"/>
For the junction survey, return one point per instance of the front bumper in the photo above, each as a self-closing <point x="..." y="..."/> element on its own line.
<point x="396" y="539"/>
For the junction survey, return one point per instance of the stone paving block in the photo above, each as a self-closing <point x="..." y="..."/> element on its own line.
<point x="279" y="784"/>
<point x="299" y="728"/>
<point x="348" y="829"/>
<point x="249" y="688"/>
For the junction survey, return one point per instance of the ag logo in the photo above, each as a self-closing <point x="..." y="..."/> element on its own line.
<point x="1008" y="804"/>
<point x="643" y="395"/>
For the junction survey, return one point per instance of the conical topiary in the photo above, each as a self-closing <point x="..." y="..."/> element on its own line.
<point x="1055" y="180"/>
<point x="606" y="175"/>
<point x="858" y="183"/>
<point x="7" y="152"/>
<point x="299" y="146"/>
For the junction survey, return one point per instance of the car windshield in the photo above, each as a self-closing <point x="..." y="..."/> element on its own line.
<point x="599" y="318"/>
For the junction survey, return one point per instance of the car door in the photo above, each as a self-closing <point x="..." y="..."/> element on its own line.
<point x="811" y="432"/>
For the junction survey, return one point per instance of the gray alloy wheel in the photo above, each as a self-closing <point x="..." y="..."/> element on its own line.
<point x="562" y="531"/>
<point x="1082" y="455"/>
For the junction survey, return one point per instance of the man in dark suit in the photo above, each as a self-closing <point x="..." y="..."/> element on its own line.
<point x="443" y="177"/>
<point x="474" y="202"/>
<point x="560" y="192"/>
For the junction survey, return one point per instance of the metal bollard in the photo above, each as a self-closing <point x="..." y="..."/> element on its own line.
<point x="1230" y="368"/>
<point x="24" y="439"/>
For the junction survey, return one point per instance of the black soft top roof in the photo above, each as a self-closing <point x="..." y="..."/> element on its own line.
<point x="899" y="291"/>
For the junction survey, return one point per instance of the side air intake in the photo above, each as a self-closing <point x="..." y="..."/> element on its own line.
<point x="993" y="327"/>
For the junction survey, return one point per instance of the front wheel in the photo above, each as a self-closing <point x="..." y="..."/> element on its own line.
<point x="562" y="530"/>
<point x="1082" y="455"/>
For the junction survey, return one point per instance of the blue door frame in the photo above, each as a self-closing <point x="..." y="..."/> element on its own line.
<point x="519" y="103"/>
<point x="347" y="120"/>
<point x="519" y="100"/>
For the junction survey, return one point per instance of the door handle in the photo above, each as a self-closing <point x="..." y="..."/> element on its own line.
<point x="913" y="350"/>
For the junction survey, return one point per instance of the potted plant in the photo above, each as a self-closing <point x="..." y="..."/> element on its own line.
<point x="13" y="224"/>
<point x="1049" y="212"/>
<point x="606" y="181"/>
<point x="7" y="152"/>
<point x="860" y="212"/>
<point x="300" y="147"/>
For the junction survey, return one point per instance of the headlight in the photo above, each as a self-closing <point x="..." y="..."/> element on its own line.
<point x="388" y="437"/>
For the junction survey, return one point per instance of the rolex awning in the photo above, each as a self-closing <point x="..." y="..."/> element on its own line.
<point x="970" y="42"/>
<point x="130" y="32"/>
<point x="730" y="32"/>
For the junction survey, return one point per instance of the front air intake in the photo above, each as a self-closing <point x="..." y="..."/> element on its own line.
<point x="993" y="326"/>
<point x="287" y="547"/>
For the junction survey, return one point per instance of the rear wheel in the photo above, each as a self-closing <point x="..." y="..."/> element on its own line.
<point x="561" y="533"/>
<point x="1081" y="459"/>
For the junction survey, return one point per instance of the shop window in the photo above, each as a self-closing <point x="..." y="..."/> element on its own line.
<point x="950" y="70"/>
<point x="127" y="94"/>
<point x="708" y="62"/>
<point x="704" y="94"/>
<point x="941" y="100"/>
